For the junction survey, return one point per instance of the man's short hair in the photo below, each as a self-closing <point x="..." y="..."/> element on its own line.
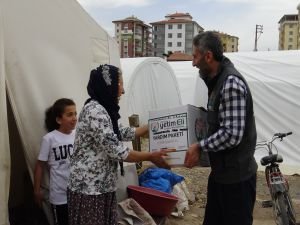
<point x="209" y="41"/>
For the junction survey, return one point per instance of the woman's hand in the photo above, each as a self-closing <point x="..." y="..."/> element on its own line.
<point x="142" y="131"/>
<point x="157" y="158"/>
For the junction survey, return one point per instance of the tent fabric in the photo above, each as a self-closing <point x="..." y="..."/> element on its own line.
<point x="149" y="84"/>
<point x="49" y="49"/>
<point x="192" y="88"/>
<point x="49" y="57"/>
<point x="4" y="141"/>
<point x="274" y="81"/>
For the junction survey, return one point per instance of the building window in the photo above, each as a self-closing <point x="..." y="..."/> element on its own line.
<point x="169" y="35"/>
<point x="169" y="44"/>
<point x="290" y="47"/>
<point x="117" y="30"/>
<point x="179" y="35"/>
<point x="155" y="54"/>
<point x="290" y="39"/>
<point x="155" y="28"/>
<point x="170" y="26"/>
<point x="155" y="37"/>
<point x="125" y="43"/>
<point x="155" y="45"/>
<point x="232" y="39"/>
<point x="291" y="32"/>
<point x="178" y="44"/>
<point x="291" y="25"/>
<point x="179" y="26"/>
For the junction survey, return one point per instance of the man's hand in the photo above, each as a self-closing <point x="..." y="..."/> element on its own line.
<point x="192" y="156"/>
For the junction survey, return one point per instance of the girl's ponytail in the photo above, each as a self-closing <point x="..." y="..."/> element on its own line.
<point x="50" y="120"/>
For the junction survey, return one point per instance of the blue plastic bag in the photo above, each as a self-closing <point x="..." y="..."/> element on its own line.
<point x="159" y="179"/>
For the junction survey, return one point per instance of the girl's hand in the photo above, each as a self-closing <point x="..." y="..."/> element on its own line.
<point x="38" y="197"/>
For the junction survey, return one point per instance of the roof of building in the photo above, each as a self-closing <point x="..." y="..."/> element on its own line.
<point x="176" y="18"/>
<point x="177" y="14"/>
<point x="179" y="56"/>
<point x="225" y="34"/>
<point x="289" y="17"/>
<point x="173" y="21"/>
<point x="131" y="19"/>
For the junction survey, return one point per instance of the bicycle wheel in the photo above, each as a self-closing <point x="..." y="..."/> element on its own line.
<point x="280" y="209"/>
<point x="290" y="209"/>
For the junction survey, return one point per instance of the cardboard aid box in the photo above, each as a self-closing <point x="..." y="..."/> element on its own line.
<point x="177" y="128"/>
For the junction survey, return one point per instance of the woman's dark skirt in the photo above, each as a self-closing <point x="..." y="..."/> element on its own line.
<point x="92" y="209"/>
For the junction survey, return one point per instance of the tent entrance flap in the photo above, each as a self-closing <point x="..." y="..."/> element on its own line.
<point x="21" y="205"/>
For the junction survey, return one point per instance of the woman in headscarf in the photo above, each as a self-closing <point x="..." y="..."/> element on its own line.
<point x="98" y="148"/>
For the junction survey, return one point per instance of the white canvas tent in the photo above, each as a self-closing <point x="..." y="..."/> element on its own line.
<point x="47" y="49"/>
<point x="4" y="142"/>
<point x="192" y="89"/>
<point x="274" y="80"/>
<point x="150" y="84"/>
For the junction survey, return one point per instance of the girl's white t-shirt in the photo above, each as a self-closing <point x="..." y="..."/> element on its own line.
<point x="56" y="149"/>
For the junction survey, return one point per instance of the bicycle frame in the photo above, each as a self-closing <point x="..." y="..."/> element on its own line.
<point x="279" y="189"/>
<point x="275" y="180"/>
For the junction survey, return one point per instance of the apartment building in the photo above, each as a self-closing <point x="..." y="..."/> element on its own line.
<point x="174" y="34"/>
<point x="289" y="31"/>
<point x="230" y="43"/>
<point x="133" y="37"/>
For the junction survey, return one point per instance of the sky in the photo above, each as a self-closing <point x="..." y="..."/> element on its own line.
<point x="234" y="17"/>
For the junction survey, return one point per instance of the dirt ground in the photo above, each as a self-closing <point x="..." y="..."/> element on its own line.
<point x="196" y="180"/>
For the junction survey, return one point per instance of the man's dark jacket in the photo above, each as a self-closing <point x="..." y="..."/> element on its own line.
<point x="234" y="164"/>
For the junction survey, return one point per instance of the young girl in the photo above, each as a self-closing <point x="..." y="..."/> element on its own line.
<point x="56" y="148"/>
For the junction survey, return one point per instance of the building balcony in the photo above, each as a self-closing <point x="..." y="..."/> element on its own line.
<point x="138" y="32"/>
<point x="138" y="46"/>
<point x="126" y="32"/>
<point x="137" y="37"/>
<point x="138" y="49"/>
<point x="126" y="36"/>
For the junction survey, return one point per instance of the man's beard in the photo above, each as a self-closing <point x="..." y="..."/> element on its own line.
<point x="204" y="71"/>
<point x="202" y="75"/>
